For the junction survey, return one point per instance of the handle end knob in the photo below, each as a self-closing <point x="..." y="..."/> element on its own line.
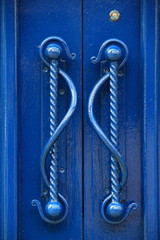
<point x="113" y="53"/>
<point x="53" y="51"/>
<point x="54" y="209"/>
<point x="115" y="210"/>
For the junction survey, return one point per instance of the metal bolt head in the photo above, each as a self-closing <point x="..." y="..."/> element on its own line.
<point x="114" y="15"/>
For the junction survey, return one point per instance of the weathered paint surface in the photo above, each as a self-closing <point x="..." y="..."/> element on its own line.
<point x="84" y="166"/>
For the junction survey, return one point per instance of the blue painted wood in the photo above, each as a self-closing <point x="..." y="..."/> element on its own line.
<point x="84" y="188"/>
<point x="36" y="22"/>
<point x="97" y="29"/>
<point x="150" y="68"/>
<point x="8" y="121"/>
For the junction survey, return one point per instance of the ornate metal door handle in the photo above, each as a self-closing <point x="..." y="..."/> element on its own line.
<point x="56" y="209"/>
<point x="112" y="210"/>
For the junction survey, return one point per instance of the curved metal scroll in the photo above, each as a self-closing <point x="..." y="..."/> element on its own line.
<point x="56" y="209"/>
<point x="112" y="210"/>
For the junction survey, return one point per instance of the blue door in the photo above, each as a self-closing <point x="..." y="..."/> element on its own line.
<point x="79" y="86"/>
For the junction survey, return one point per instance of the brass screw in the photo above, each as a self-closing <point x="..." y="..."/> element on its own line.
<point x="114" y="15"/>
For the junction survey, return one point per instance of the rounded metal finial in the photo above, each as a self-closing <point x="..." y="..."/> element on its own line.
<point x="54" y="209"/>
<point x="115" y="210"/>
<point x="113" y="53"/>
<point x="46" y="54"/>
<point x="53" y="51"/>
<point x="116" y="43"/>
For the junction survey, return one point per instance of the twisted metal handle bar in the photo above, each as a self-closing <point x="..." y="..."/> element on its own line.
<point x="112" y="210"/>
<point x="57" y="207"/>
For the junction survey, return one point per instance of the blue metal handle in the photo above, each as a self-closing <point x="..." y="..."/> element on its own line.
<point x="112" y="210"/>
<point x="56" y="209"/>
